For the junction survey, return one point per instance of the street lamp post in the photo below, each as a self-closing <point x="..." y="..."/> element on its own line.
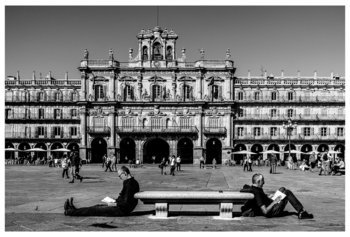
<point x="289" y="128"/>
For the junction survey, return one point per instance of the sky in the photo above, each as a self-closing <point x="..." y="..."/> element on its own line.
<point x="275" y="38"/>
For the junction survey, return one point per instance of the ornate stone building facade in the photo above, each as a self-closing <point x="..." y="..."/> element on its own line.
<point x="158" y="104"/>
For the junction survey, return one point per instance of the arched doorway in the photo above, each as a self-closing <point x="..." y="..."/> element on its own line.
<point x="9" y="154"/>
<point x="98" y="150"/>
<point x="155" y="147"/>
<point x="286" y="148"/>
<point x="213" y="150"/>
<point x="74" y="147"/>
<point x="322" y="148"/>
<point x="340" y="148"/>
<point x="256" y="148"/>
<point x="23" y="146"/>
<point x="57" y="154"/>
<point x="40" y="154"/>
<point x="127" y="149"/>
<point x="185" y="150"/>
<point x="239" y="157"/>
<point x="305" y="148"/>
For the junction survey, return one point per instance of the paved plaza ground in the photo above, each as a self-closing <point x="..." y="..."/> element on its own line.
<point x="34" y="198"/>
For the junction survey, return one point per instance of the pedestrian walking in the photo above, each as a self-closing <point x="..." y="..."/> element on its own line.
<point x="178" y="163"/>
<point x="172" y="165"/>
<point x="104" y="158"/>
<point x="273" y="162"/>
<point x="312" y="161"/>
<point x="245" y="163"/>
<point x="214" y="163"/>
<point x="250" y="163"/>
<point x="76" y="163"/>
<point x="108" y="164"/>
<point x="201" y="162"/>
<point x="325" y="163"/>
<point x="162" y="166"/>
<point x="65" y="166"/>
<point x="154" y="159"/>
<point x="114" y="163"/>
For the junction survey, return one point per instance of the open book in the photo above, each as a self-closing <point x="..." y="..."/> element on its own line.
<point x="278" y="193"/>
<point x="108" y="200"/>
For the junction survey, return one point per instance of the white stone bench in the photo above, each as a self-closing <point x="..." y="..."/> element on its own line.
<point x="162" y="199"/>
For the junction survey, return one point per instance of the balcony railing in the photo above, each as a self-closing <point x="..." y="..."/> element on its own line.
<point x="283" y="99"/>
<point x="289" y="81"/>
<point x="292" y="137"/>
<point x="59" y="82"/>
<point x="25" y="116"/>
<point x="297" y="117"/>
<point x="37" y="99"/>
<point x="214" y="130"/>
<point x="34" y="135"/>
<point x="97" y="130"/>
<point x="157" y="130"/>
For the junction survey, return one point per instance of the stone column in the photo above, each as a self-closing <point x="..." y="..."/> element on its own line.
<point x="83" y="87"/>
<point x="139" y="87"/>
<point x="140" y="50"/>
<point x="83" y="129"/>
<point x="111" y="149"/>
<point x="111" y="87"/>
<point x="265" y="149"/>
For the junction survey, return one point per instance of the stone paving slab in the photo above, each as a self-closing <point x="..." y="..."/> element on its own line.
<point x="34" y="198"/>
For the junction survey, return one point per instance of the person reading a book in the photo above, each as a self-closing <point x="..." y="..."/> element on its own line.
<point x="122" y="206"/>
<point x="272" y="205"/>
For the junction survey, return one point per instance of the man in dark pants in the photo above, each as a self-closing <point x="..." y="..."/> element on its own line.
<point x="76" y="162"/>
<point x="126" y="202"/>
<point x="264" y="205"/>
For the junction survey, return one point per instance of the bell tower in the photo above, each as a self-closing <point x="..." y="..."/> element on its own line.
<point x="157" y="47"/>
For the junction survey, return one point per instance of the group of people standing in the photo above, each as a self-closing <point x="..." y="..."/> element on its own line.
<point x="172" y="162"/>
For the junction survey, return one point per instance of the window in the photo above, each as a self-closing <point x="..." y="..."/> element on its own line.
<point x="187" y="92"/>
<point x="8" y="113"/>
<point x="340" y="132"/>
<point x="240" y="131"/>
<point x="256" y="132"/>
<point x="290" y="113"/>
<point x="27" y="113"/>
<point x="214" y="122"/>
<point x="341" y="111"/>
<point x="307" y="112"/>
<point x="185" y="122"/>
<point x="57" y="131"/>
<point x="273" y="96"/>
<point x="57" y="113"/>
<point x="99" y="93"/>
<point x="41" y="96"/>
<point x="273" y="113"/>
<point x="74" y="113"/>
<point x="256" y="95"/>
<point x="41" y="114"/>
<point x="240" y="113"/>
<point x="57" y="96"/>
<point x="240" y="95"/>
<point x="73" y="131"/>
<point x="156" y="91"/>
<point x="41" y="131"/>
<point x="323" y="132"/>
<point x="290" y="95"/>
<point x="128" y="92"/>
<point x="324" y="112"/>
<point x="257" y="113"/>
<point x="273" y="131"/>
<point x="98" y="124"/>
<point x="74" y="96"/>
<point x="307" y="131"/>
<point x="8" y="96"/>
<point x="216" y="91"/>
<point x="307" y="96"/>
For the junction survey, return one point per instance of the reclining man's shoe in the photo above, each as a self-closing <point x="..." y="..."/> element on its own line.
<point x="71" y="203"/>
<point x="305" y="215"/>
<point x="66" y="207"/>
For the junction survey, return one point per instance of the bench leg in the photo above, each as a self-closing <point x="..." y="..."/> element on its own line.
<point x="162" y="209"/>
<point x="226" y="210"/>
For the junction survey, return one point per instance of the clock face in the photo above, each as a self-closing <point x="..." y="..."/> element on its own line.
<point x="157" y="64"/>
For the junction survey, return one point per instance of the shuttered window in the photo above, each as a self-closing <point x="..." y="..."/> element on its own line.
<point x="340" y="132"/>
<point x="240" y="95"/>
<point x="273" y="131"/>
<point x="307" y="131"/>
<point x="290" y="95"/>
<point x="156" y="91"/>
<point x="127" y="122"/>
<point x="257" y="131"/>
<point x="240" y="131"/>
<point x="273" y="96"/>
<point x="214" y="122"/>
<point x="99" y="92"/>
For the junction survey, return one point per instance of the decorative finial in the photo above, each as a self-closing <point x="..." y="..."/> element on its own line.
<point x="111" y="55"/>
<point x="86" y="54"/>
